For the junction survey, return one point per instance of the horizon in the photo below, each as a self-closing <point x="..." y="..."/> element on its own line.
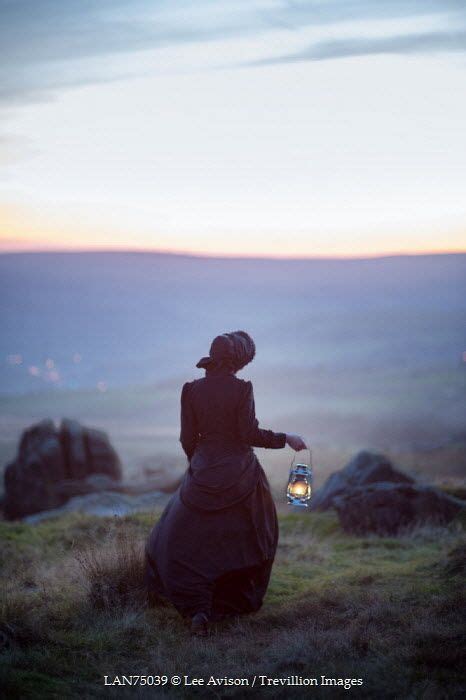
<point x="227" y="256"/>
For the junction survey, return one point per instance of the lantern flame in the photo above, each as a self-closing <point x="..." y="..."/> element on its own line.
<point x="299" y="488"/>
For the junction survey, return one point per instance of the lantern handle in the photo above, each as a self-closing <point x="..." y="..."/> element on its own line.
<point x="308" y="449"/>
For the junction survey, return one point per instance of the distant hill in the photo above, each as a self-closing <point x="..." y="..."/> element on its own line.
<point x="354" y="354"/>
<point x="133" y="318"/>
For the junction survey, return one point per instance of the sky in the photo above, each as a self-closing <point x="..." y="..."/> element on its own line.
<point x="256" y="127"/>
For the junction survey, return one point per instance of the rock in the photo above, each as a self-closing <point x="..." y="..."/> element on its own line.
<point x="370" y="495"/>
<point x="134" y="487"/>
<point x="102" y="482"/>
<point x="386" y="508"/>
<point x="91" y="484"/>
<point x="105" y="503"/>
<point x="102" y="458"/>
<point x="30" y="481"/>
<point x="365" y="468"/>
<point x="74" y="446"/>
<point x="53" y="465"/>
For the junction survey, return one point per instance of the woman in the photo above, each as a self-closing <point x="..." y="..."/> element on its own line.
<point x="212" y="551"/>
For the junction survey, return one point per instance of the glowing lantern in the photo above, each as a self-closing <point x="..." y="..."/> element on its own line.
<point x="300" y="483"/>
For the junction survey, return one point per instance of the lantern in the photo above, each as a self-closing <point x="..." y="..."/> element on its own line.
<point x="300" y="483"/>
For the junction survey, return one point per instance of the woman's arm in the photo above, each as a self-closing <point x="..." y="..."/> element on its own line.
<point x="248" y="425"/>
<point x="189" y="433"/>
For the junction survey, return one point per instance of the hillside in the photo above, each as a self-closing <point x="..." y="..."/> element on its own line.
<point x="384" y="610"/>
<point x="354" y="354"/>
<point x="136" y="318"/>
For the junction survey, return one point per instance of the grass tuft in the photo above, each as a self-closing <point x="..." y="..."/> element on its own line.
<point x="113" y="575"/>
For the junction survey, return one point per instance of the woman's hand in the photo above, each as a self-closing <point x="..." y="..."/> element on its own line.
<point x="296" y="442"/>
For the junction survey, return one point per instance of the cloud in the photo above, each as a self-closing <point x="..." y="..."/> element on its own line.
<point x="412" y="43"/>
<point x="47" y="45"/>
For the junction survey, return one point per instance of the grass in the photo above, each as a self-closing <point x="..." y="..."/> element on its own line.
<point x="387" y="610"/>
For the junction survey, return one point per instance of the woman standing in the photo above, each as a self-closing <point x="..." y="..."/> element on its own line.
<point x="211" y="552"/>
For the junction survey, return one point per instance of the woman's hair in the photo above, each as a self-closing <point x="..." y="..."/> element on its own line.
<point x="225" y="363"/>
<point x="232" y="351"/>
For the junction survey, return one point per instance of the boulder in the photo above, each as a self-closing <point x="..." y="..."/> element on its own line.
<point x="104" y="503"/>
<point x="386" y="508"/>
<point x="94" y="483"/>
<point x="53" y="465"/>
<point x="364" y="469"/>
<point x="31" y="479"/>
<point x="74" y="449"/>
<point x="102" y="458"/>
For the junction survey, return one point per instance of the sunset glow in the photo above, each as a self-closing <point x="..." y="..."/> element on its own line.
<point x="338" y="138"/>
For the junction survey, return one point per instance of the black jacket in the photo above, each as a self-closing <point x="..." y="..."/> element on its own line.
<point x="220" y="408"/>
<point x="218" y="430"/>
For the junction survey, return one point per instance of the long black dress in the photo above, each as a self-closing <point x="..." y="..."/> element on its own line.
<point x="213" y="548"/>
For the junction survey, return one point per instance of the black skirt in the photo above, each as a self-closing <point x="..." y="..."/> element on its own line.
<point x="213" y="548"/>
